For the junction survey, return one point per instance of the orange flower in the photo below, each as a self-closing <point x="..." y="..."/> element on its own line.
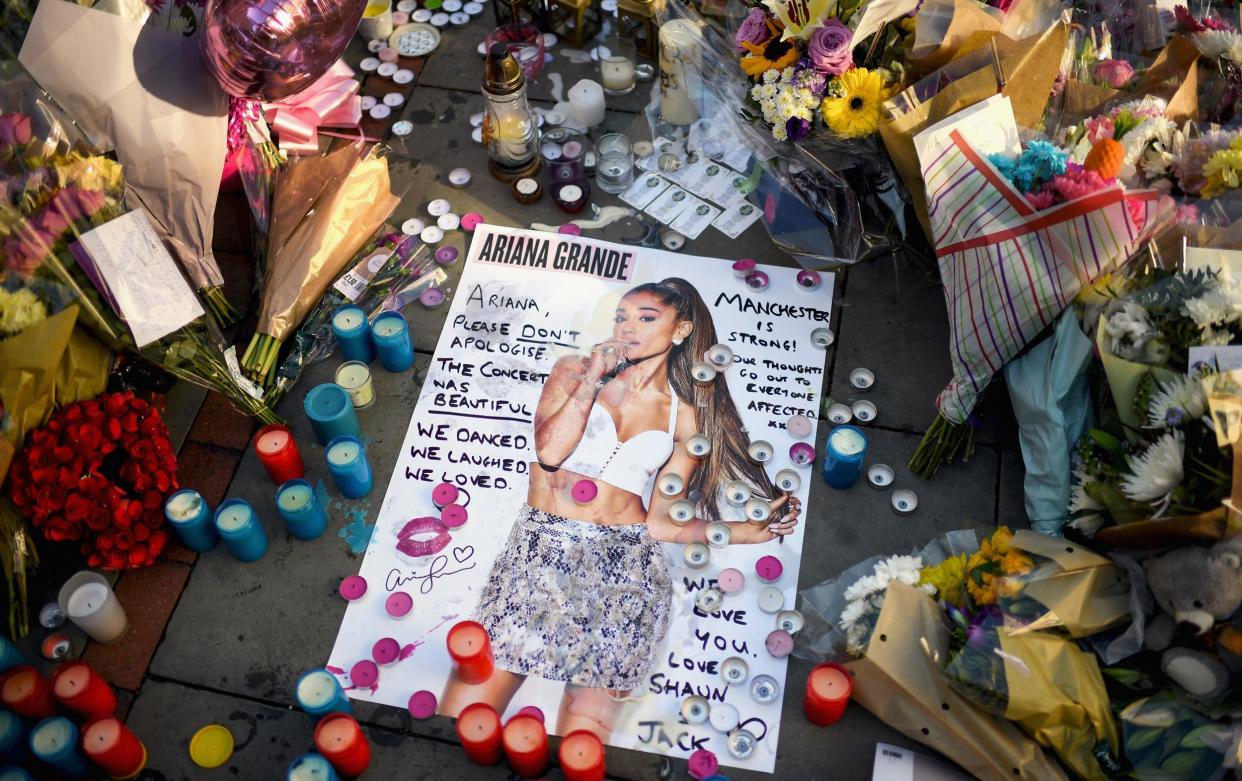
<point x="771" y="54"/>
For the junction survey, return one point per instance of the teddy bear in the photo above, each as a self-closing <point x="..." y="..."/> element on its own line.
<point x="1196" y="588"/>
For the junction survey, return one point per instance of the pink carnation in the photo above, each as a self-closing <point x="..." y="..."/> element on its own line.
<point x="1187" y="214"/>
<point x="1077" y="182"/>
<point x="1114" y="73"/>
<point x="829" y="48"/>
<point x="1041" y="199"/>
<point x="1138" y="213"/>
<point x="1098" y="128"/>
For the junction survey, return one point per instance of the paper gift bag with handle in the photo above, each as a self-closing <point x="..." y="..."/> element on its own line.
<point x="1082" y="592"/>
<point x="899" y="680"/>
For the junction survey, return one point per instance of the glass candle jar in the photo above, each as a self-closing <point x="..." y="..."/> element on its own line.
<point x="510" y="129"/>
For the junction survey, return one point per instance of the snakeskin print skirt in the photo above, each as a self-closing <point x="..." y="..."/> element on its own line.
<point x="577" y="602"/>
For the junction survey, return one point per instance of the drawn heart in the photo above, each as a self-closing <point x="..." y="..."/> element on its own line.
<point x="461" y="554"/>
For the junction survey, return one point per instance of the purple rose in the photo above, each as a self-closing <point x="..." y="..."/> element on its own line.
<point x="753" y="29"/>
<point x="829" y="48"/>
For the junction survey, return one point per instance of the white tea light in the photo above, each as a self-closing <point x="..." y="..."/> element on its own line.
<point x="770" y="600"/>
<point x="905" y="501"/>
<point x="681" y="511"/>
<point x="694" y="709"/>
<point x="862" y="379"/>
<point x="719" y="355"/>
<point x="709" y="600"/>
<point x="764" y="689"/>
<point x="718" y="535"/>
<point x="864" y="411"/>
<point x="696" y="555"/>
<point x="699" y="445"/>
<point x="724" y="717"/>
<point x="839" y="414"/>
<point x="671" y="484"/>
<point x="790" y="621"/>
<point x="822" y="338"/>
<point x="788" y="481"/>
<point x="880" y="476"/>
<point x="757" y="509"/>
<point x="703" y="372"/>
<point x="734" y="670"/>
<point x="742" y="744"/>
<point x="737" y="492"/>
<point x="760" y="451"/>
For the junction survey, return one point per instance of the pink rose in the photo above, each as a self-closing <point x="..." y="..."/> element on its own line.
<point x="753" y="29"/>
<point x="829" y="48"/>
<point x="1098" y="128"/>
<point x="1114" y="73"/>
<point x="14" y="129"/>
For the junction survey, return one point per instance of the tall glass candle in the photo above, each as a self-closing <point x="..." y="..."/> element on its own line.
<point x="303" y="513"/>
<point x="278" y="452"/>
<point x="331" y="412"/>
<point x="526" y="745"/>
<point x="347" y="463"/>
<point x="471" y="651"/>
<point x="843" y="459"/>
<point x="828" y="689"/>
<point x="239" y="525"/>
<point x="582" y="756"/>
<point x="355" y="378"/>
<point x="55" y="741"/>
<point x="391" y="336"/>
<point x="187" y="512"/>
<point x="10" y="655"/>
<point x="88" y="601"/>
<point x="319" y="693"/>
<point x="78" y="687"/>
<point x="681" y="51"/>
<point x="339" y="738"/>
<point x="12" y="737"/>
<point x="349" y="325"/>
<point x="478" y="729"/>
<point x="111" y="745"/>
<point x="311" y="767"/>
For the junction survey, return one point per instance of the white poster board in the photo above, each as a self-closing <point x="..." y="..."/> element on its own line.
<point x="524" y="300"/>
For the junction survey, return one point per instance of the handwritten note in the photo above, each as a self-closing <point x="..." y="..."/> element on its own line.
<point x="142" y="279"/>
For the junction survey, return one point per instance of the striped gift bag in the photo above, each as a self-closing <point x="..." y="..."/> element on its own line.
<point x="1009" y="270"/>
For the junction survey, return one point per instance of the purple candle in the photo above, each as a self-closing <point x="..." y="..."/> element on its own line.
<point x="399" y="604"/>
<point x="364" y="674"/>
<point x="353" y="587"/>
<point x="386" y="650"/>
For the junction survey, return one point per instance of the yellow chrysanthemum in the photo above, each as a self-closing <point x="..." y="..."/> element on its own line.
<point x="1001" y="538"/>
<point x="947" y="578"/>
<point x="1016" y="563"/>
<point x="983" y="593"/>
<point x="853" y="109"/>
<point x="19" y="310"/>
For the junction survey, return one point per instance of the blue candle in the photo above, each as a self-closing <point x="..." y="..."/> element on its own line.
<point x="301" y="510"/>
<point x="10" y="655"/>
<point x="311" y="767"/>
<point x="391" y="336"/>
<point x="188" y="513"/>
<point x="331" y="412"/>
<point x="55" y="741"/>
<point x="239" y="526"/>
<point x="319" y="693"/>
<point x="843" y="461"/>
<point x="14" y="773"/>
<point x="12" y="737"/>
<point x="349" y="324"/>
<point x="347" y="463"/>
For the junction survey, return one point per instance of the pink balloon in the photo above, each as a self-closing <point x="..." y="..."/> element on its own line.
<point x="271" y="49"/>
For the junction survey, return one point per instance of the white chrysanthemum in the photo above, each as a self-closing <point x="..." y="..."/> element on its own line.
<point x="902" y="568"/>
<point x="1176" y="401"/>
<point x="1090" y="521"/>
<point x="1220" y="44"/>
<point x="1129" y="329"/>
<point x="852" y="612"/>
<point x="864" y="587"/>
<point x="769" y="76"/>
<point x="1219" y="305"/>
<point x="1213" y="337"/>
<point x="1157" y="471"/>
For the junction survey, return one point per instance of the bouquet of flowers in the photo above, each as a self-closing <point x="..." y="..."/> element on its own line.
<point x="97" y="473"/>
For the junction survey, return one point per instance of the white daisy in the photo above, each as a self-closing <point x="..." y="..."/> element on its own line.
<point x="1157" y="471"/>
<point x="1175" y="402"/>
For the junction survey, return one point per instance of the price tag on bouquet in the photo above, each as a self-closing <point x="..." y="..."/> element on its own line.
<point x="353" y="283"/>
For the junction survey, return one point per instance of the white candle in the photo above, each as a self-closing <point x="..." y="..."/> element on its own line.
<point x="355" y="378"/>
<point x="388" y="326"/>
<point x="848" y="442"/>
<point x="343" y="453"/>
<point x="295" y="497"/>
<point x="272" y="442"/>
<point x="681" y="45"/>
<point x="184" y="506"/>
<point x="233" y="517"/>
<point x="347" y="320"/>
<point x="50" y="737"/>
<point x="586" y="103"/>
<point x="316" y="689"/>
<point x="89" y="602"/>
<point x="617" y="73"/>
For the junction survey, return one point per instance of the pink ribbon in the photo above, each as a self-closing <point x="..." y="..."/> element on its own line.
<point x="330" y="101"/>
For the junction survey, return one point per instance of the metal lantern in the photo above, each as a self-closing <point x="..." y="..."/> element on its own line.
<point x="521" y="12"/>
<point x="637" y="20"/>
<point x="574" y="20"/>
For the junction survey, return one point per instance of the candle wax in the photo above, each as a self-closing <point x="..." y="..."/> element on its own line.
<point x="20" y="685"/>
<point x="87" y="599"/>
<point x="467" y="641"/>
<point x="337" y="735"/>
<point x="478" y="724"/>
<point x="848" y="442"/>
<point x="388" y="326"/>
<point x="353" y="376"/>
<point x="617" y="74"/>
<point x="51" y="737"/>
<point x="71" y="681"/>
<point x="311" y="767"/>
<point x="101" y="736"/>
<point x="272" y="442"/>
<point x="343" y="453"/>
<point x="347" y="320"/>
<point x="233" y="517"/>
<point x="581" y="751"/>
<point x="830" y="683"/>
<point x="317" y="689"/>
<point x="524" y="734"/>
<point x="295" y="497"/>
<point x="184" y="506"/>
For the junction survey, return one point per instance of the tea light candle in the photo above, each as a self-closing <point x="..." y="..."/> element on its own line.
<point x="471" y="650"/>
<point x="862" y="379"/>
<point x="737" y="493"/>
<point x="770" y="599"/>
<point x="10" y="654"/>
<point x="699" y="445"/>
<point x="847" y="447"/>
<point x="709" y="600"/>
<point x="764" y="689"/>
<point x="724" y="717"/>
<point x="111" y="745"/>
<point x="718" y="534"/>
<point x="331" y="413"/>
<point x="799" y="426"/>
<point x="89" y="602"/>
<point x="352" y="588"/>
<point x="311" y="767"/>
<point x="695" y="710"/>
<point x="55" y="741"/>
<point x="822" y="338"/>
<point x="828" y="689"/>
<point x="618" y="75"/>
<point x="349" y="325"/>
<point x="864" y="411"/>
<point x="422" y="704"/>
<point x="445" y="494"/>
<point x="571" y="197"/>
<point x="478" y="729"/>
<point x="582" y="756"/>
<point x="355" y="378"/>
<point x="802" y="454"/>
<point x="681" y="511"/>
<point x="304" y="515"/>
<point x="741" y="744"/>
<point x="839" y="414"/>
<point x="734" y="671"/>
<point x="319" y="693"/>
<point x="905" y="501"/>
<point x="278" y="452"/>
<point x="702" y="764"/>
<point x="13" y="745"/>
<point x="696" y="555"/>
<point x="187" y="512"/>
<point x="703" y="372"/>
<point x="240" y="528"/>
<point x="788" y="480"/>
<point x="390" y="335"/>
<point x="731" y="580"/>
<point x="27" y="693"/>
<point x="398" y="605"/>
<point x="79" y="688"/>
<point x="340" y="740"/>
<point x="743" y="268"/>
<point x="525" y="741"/>
<point x="347" y="463"/>
<point x="364" y="674"/>
<point x="790" y="621"/>
<point x="779" y="643"/>
<point x="880" y="476"/>
<point x="769" y="569"/>
<point x="385" y="651"/>
<point x="584" y="491"/>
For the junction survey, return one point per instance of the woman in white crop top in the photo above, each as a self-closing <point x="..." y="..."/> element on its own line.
<point x="580" y="593"/>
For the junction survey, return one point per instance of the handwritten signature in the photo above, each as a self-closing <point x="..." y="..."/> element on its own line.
<point x="439" y="568"/>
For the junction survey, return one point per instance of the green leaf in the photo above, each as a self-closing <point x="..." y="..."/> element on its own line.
<point x="1143" y="738"/>
<point x="1105" y="440"/>
<point x="1194" y="738"/>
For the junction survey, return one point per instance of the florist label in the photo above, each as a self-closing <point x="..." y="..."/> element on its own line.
<point x="512" y="319"/>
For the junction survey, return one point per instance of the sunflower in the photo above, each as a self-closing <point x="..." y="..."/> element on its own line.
<point x="854" y="107"/>
<point x="773" y="54"/>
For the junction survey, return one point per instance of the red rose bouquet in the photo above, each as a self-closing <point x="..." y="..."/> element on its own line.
<point x="97" y="473"/>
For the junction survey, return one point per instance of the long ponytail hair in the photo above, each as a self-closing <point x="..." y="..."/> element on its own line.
<point x="716" y="414"/>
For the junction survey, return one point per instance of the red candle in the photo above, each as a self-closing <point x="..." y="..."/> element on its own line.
<point x="112" y="746"/>
<point x="478" y="729"/>
<point x="80" y="689"/>
<point x="278" y="453"/>
<point x="471" y="651"/>
<point x="526" y="745"/>
<point x="827" y="693"/>
<point x="339" y="738"/>
<point x="27" y="693"/>
<point x="582" y="756"/>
